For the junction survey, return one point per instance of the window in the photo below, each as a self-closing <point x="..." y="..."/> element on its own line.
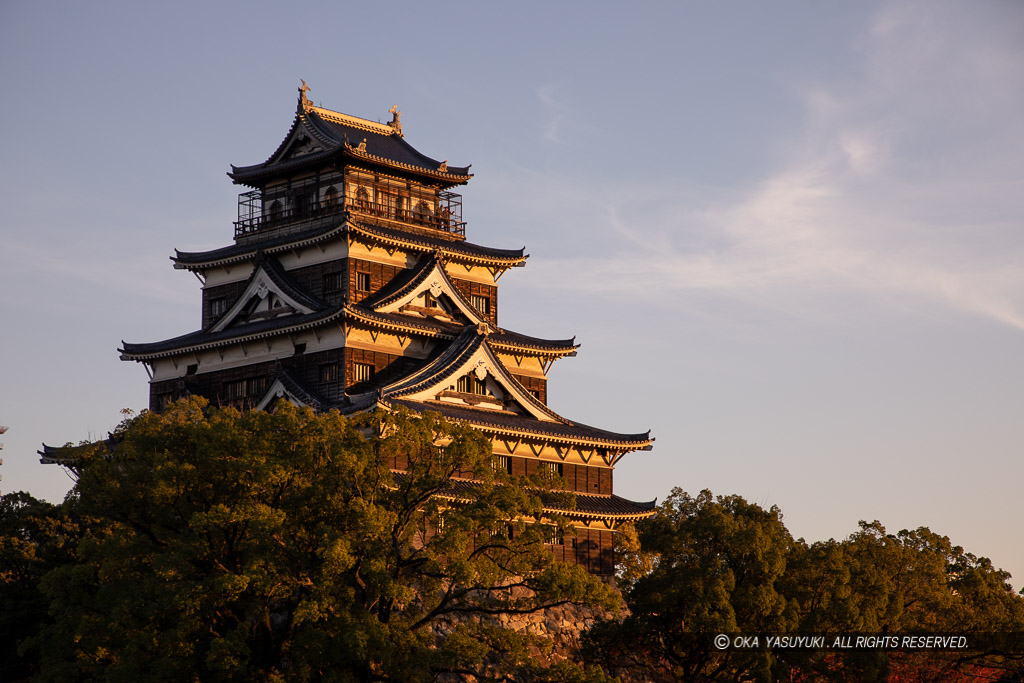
<point x="275" y="211"/>
<point x="429" y="301"/>
<point x="469" y="384"/>
<point x="501" y="463"/>
<point x="481" y="303"/>
<point x="256" y="386"/>
<point x="218" y="307"/>
<point x="554" y="536"/>
<point x="303" y="203"/>
<point x="332" y="283"/>
<point x="502" y="530"/>
<point x="192" y="369"/>
<point x="362" y="372"/>
<point x="422" y="212"/>
<point x="363" y="282"/>
<point x="362" y="198"/>
<point x="235" y="390"/>
<point x="331" y="197"/>
<point x="300" y="349"/>
<point x="329" y="372"/>
<point x="555" y="468"/>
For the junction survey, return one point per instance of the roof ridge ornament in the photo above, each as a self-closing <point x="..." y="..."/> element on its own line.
<point x="396" y="119"/>
<point x="443" y="168"/>
<point x="362" y="146"/>
<point x="304" y="102"/>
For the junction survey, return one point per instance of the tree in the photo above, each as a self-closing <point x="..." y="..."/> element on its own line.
<point x="282" y="546"/>
<point x="704" y="566"/>
<point x="35" y="537"/>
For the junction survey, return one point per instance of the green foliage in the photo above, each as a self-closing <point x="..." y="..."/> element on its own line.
<point x="281" y="546"/>
<point x="704" y="566"/>
<point x="35" y="536"/>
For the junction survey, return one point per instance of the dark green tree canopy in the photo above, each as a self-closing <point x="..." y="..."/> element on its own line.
<point x="281" y="546"/>
<point x="709" y="565"/>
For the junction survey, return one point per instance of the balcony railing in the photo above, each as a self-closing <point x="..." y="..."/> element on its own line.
<point x="254" y="216"/>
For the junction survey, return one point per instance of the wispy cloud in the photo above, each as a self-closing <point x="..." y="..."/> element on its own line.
<point x="904" y="185"/>
<point x="555" y="112"/>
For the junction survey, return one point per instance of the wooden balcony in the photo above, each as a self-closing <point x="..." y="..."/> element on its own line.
<point x="254" y="216"/>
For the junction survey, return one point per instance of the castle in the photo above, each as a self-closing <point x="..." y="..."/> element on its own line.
<point x="350" y="285"/>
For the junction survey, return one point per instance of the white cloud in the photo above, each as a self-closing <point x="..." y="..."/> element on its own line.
<point x="904" y="185"/>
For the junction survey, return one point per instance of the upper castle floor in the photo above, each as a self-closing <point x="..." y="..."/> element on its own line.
<point x="331" y="165"/>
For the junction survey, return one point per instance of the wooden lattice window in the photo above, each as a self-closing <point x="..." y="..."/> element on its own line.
<point x="235" y="390"/>
<point x="481" y="303"/>
<point x="362" y="372"/>
<point x="554" y="536"/>
<point x="363" y="282"/>
<point x="257" y="386"/>
<point x="555" y="468"/>
<point x="331" y="197"/>
<point x="362" y="198"/>
<point x="329" y="372"/>
<point x="218" y="307"/>
<point x="332" y="283"/>
<point x="469" y="384"/>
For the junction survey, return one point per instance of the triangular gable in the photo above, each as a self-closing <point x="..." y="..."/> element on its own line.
<point x="302" y="140"/>
<point x="277" y="391"/>
<point x="439" y="381"/>
<point x="432" y="284"/>
<point x="263" y="298"/>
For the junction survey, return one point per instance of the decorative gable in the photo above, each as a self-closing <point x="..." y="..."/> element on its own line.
<point x="471" y="376"/>
<point x="301" y="146"/>
<point x="278" y="391"/>
<point x="431" y="294"/>
<point x="265" y="297"/>
<point x="301" y="141"/>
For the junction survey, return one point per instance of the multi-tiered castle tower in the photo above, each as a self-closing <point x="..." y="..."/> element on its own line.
<point x="350" y="285"/>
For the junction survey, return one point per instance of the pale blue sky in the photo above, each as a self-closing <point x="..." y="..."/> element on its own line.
<point x="800" y="222"/>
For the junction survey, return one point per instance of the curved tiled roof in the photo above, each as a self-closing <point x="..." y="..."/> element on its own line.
<point x="399" y="286"/>
<point x="279" y="277"/>
<point x="511" y="423"/>
<point x="403" y="323"/>
<point x="445" y="246"/>
<point x="237" y="253"/>
<point x="508" y="340"/>
<point x="343" y="135"/>
<point x="201" y="339"/>
<point x="501" y="339"/>
<point x="586" y="504"/>
<point x="455" y="250"/>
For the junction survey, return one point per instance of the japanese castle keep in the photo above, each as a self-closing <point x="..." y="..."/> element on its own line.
<point x="350" y="285"/>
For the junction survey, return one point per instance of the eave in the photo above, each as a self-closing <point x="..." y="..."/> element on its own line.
<point x="587" y="505"/>
<point x="457" y="251"/>
<point x="137" y="352"/>
<point x="353" y="152"/>
<point x="486" y="421"/>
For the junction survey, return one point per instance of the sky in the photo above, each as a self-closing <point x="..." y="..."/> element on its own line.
<point x="788" y="235"/>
